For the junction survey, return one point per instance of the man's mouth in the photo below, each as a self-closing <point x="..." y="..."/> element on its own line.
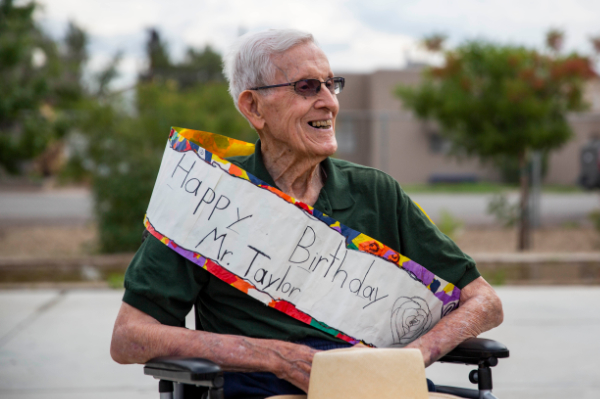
<point x="324" y="124"/>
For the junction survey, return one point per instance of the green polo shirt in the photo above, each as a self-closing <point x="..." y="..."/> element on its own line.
<point x="165" y="285"/>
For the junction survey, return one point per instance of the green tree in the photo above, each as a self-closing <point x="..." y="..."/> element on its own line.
<point x="198" y="66"/>
<point x="157" y="53"/>
<point x="495" y="101"/>
<point x="39" y="86"/>
<point x="127" y="151"/>
<point x="555" y="39"/>
<point x="434" y="42"/>
<point x="123" y="150"/>
<point x="203" y="66"/>
<point x="27" y="59"/>
<point x="68" y="89"/>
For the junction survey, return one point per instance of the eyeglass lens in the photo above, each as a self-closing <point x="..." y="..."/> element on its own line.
<point x="311" y="87"/>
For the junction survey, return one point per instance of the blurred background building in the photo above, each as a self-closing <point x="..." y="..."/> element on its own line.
<point x="374" y="129"/>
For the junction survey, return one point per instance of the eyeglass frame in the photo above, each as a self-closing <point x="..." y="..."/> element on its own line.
<point x="343" y="81"/>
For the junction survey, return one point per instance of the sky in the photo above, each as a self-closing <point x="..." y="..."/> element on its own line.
<point x="356" y="35"/>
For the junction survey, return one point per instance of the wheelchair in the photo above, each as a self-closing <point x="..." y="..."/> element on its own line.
<point x="197" y="378"/>
<point x="177" y="375"/>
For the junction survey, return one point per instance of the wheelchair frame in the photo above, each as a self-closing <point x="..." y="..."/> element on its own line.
<point x="174" y="371"/>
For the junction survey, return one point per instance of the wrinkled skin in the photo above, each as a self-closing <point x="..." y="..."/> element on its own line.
<point x="479" y="310"/>
<point x="292" y="151"/>
<point x="138" y="337"/>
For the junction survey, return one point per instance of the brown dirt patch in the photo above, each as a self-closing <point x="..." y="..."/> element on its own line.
<point x="47" y="241"/>
<point x="579" y="239"/>
<point x="64" y="241"/>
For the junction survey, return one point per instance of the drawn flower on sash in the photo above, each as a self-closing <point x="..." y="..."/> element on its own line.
<point x="412" y="275"/>
<point x="449" y="308"/>
<point x="410" y="319"/>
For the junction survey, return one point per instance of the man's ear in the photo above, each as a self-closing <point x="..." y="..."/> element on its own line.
<point x="249" y="105"/>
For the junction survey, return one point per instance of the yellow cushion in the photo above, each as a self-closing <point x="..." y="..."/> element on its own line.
<point x="432" y="395"/>
<point x="368" y="373"/>
<point x="359" y="373"/>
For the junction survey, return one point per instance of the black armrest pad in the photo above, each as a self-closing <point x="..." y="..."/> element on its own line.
<point x="188" y="370"/>
<point x="475" y="350"/>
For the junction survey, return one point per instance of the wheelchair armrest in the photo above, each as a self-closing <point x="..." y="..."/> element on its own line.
<point x="190" y="370"/>
<point x="476" y="351"/>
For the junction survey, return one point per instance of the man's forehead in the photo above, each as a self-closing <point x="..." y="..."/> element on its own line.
<point x="302" y="61"/>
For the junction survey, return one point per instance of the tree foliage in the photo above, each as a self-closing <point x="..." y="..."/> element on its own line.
<point x="123" y="151"/>
<point x="198" y="66"/>
<point x="555" y="39"/>
<point x="40" y="86"/>
<point x="24" y="129"/>
<point x="434" y="42"/>
<point x="115" y="143"/>
<point x="495" y="100"/>
<point x="501" y="102"/>
<point x="127" y="155"/>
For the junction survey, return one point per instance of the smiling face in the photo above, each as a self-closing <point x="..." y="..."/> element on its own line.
<point x="305" y="125"/>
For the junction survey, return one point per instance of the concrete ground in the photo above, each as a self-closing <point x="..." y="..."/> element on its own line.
<point x="55" y="344"/>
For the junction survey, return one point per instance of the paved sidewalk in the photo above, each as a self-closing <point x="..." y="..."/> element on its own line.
<point x="552" y="334"/>
<point x="55" y="344"/>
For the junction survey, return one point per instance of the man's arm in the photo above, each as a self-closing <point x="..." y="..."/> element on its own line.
<point x="479" y="310"/>
<point x="138" y="337"/>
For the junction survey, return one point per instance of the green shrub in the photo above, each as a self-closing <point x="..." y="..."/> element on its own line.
<point x="124" y="151"/>
<point x="116" y="280"/>
<point x="506" y="214"/>
<point x="594" y="216"/>
<point x="449" y="224"/>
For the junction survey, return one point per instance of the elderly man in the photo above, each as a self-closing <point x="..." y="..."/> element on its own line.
<point x="282" y="83"/>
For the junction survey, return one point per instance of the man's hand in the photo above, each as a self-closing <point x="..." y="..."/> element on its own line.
<point x="138" y="337"/>
<point x="479" y="310"/>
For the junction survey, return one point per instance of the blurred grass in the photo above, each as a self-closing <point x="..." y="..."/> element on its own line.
<point x="483" y="188"/>
<point x="449" y="225"/>
<point x="496" y="277"/>
<point x="116" y="280"/>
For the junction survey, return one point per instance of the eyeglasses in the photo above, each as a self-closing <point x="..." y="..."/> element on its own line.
<point x="311" y="87"/>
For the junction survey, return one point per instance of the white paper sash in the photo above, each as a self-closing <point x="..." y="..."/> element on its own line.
<point x="289" y="255"/>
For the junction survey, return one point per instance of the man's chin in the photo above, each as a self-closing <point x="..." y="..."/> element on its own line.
<point x="327" y="150"/>
<point x="326" y="146"/>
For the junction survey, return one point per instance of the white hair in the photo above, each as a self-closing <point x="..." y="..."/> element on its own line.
<point x="248" y="63"/>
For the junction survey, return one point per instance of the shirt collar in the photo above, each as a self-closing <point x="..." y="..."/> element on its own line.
<point x="336" y="186"/>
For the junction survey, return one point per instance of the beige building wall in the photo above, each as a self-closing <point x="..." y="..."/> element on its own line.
<point x="384" y="135"/>
<point x="563" y="167"/>
<point x="373" y="129"/>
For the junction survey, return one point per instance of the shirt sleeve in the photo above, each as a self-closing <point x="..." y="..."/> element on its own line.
<point x="424" y="243"/>
<point x="162" y="284"/>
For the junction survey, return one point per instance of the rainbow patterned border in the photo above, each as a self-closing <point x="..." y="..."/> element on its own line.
<point x="181" y="140"/>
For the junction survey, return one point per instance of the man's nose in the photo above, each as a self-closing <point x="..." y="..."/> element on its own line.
<point x="327" y="99"/>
